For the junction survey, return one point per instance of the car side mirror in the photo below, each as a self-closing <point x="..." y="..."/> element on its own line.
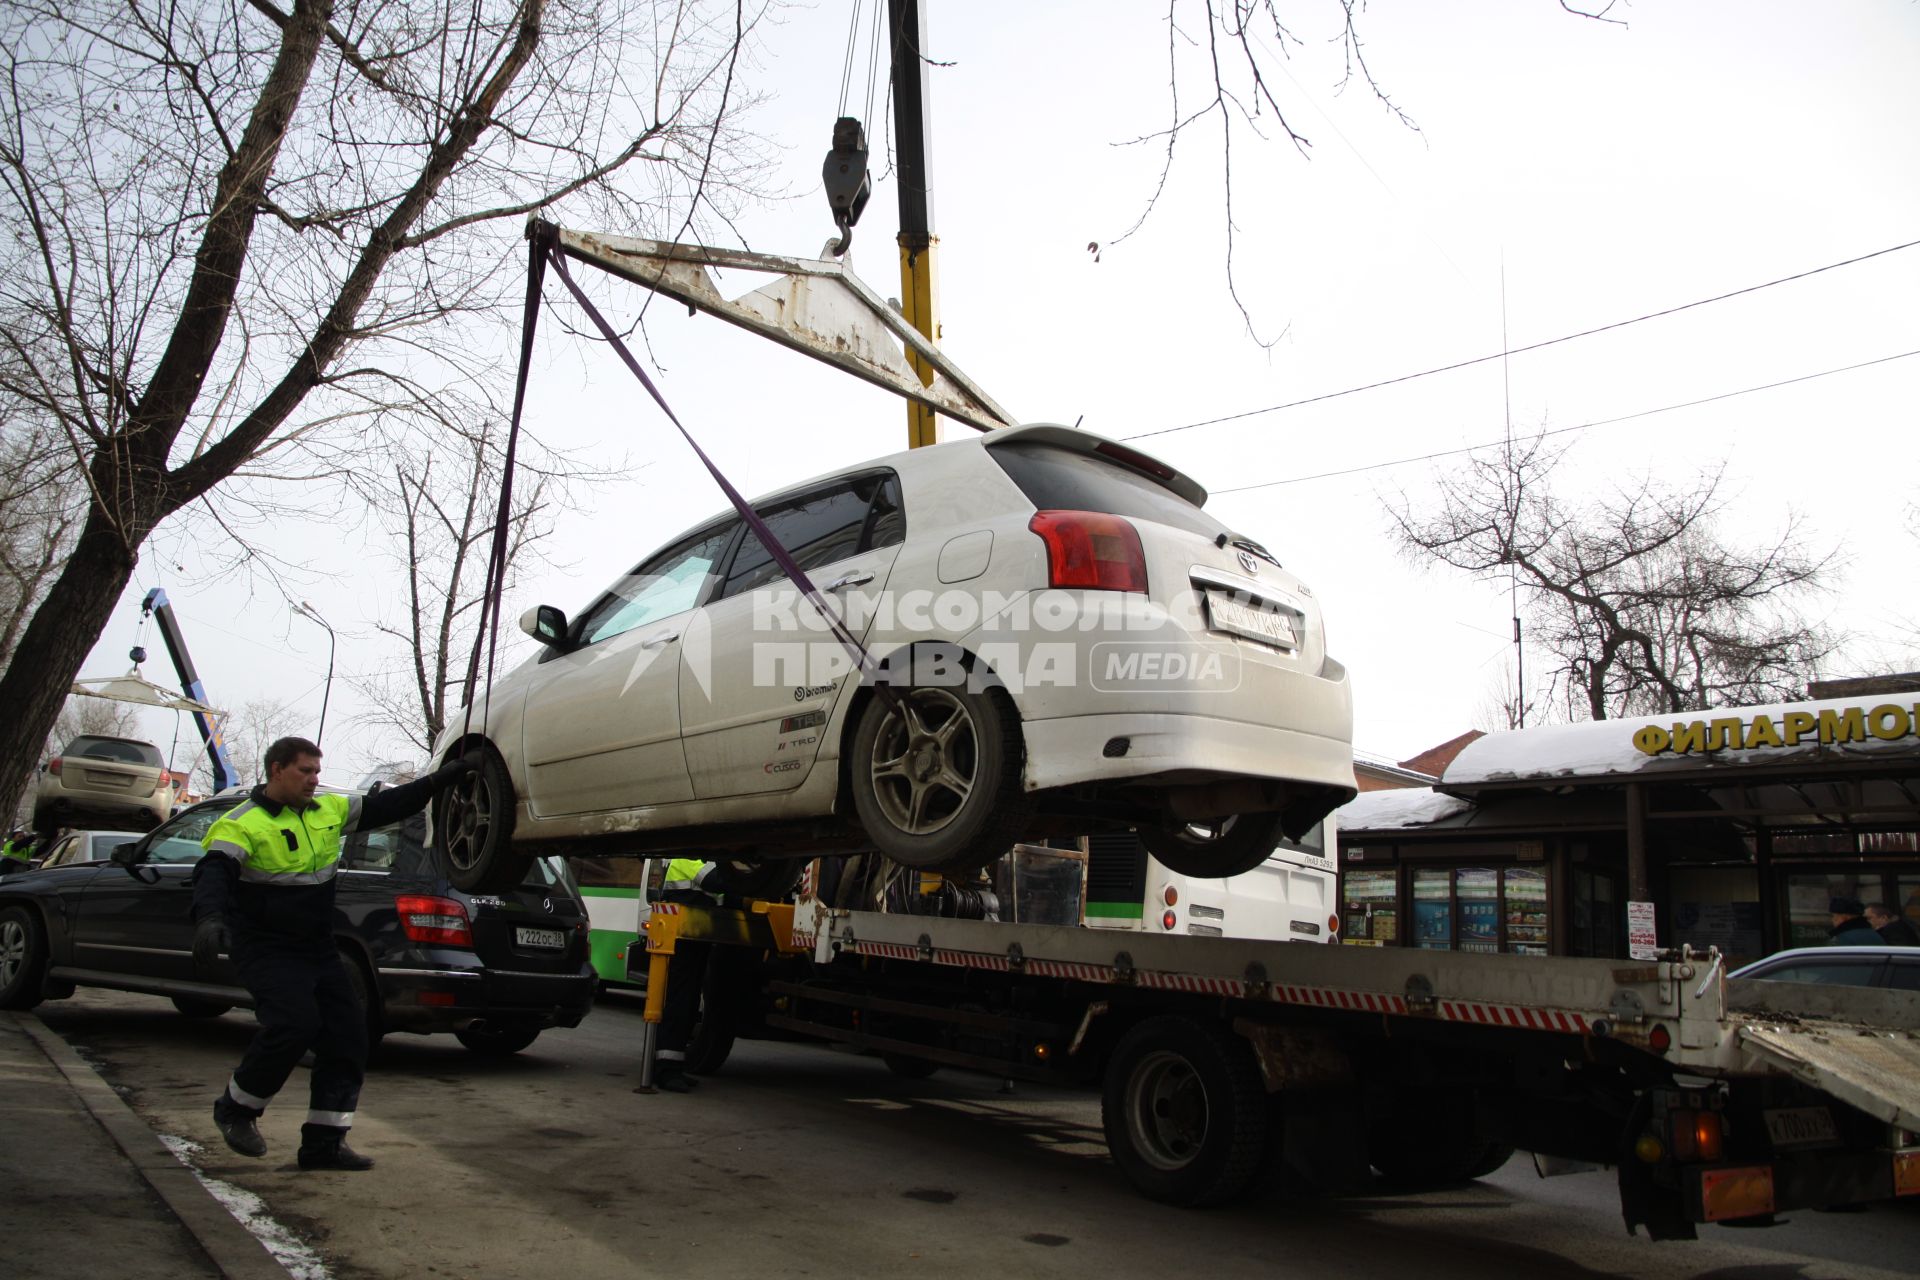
<point x="126" y="855"/>
<point x="546" y="624"/>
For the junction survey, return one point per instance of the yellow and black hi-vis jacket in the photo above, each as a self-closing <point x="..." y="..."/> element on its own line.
<point x="269" y="868"/>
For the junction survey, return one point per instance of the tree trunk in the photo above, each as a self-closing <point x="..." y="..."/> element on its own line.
<point x="73" y="616"/>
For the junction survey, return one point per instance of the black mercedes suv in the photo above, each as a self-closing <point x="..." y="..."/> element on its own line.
<point x="495" y="970"/>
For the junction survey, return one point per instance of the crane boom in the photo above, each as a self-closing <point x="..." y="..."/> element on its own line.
<point x="160" y="609"/>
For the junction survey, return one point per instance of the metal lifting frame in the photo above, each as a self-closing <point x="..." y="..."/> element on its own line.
<point x="816" y="306"/>
<point x="765" y="926"/>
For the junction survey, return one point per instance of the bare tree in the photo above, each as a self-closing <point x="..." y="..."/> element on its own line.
<point x="248" y="732"/>
<point x="240" y="228"/>
<point x="1642" y="606"/>
<point x="39" y="516"/>
<point x="439" y="509"/>
<point x="1226" y="63"/>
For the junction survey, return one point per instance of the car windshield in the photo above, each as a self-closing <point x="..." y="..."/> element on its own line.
<point x="115" y="749"/>
<point x="1059" y="479"/>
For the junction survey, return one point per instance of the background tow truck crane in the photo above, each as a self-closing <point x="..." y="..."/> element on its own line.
<point x="160" y="609"/>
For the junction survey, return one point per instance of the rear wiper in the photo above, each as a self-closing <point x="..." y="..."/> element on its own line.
<point x="1241" y="540"/>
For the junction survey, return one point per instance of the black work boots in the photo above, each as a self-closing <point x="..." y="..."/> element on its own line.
<point x="237" y="1125"/>
<point x="324" y="1147"/>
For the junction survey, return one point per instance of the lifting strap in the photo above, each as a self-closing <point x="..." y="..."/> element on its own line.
<point x="545" y="248"/>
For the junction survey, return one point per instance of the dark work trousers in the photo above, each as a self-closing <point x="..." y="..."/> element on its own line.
<point x="686" y="976"/>
<point x="304" y="1000"/>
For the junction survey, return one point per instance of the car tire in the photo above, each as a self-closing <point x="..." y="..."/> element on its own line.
<point x="945" y="794"/>
<point x="1185" y="1113"/>
<point x="1427" y="1139"/>
<point x="1236" y="845"/>
<point x="909" y="1068"/>
<point x="473" y="831"/>
<point x="496" y="1042"/>
<point x="23" y="958"/>
<point x="191" y="1008"/>
<point x="363" y="995"/>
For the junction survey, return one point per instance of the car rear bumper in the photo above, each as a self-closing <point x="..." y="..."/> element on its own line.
<point x="429" y="1000"/>
<point x="1150" y="746"/>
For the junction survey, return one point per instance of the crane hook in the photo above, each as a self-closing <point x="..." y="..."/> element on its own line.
<point x="845" y="176"/>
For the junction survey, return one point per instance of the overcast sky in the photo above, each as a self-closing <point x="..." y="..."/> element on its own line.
<point x="1607" y="171"/>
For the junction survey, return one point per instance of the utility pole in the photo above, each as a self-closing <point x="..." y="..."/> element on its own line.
<point x="919" y="299"/>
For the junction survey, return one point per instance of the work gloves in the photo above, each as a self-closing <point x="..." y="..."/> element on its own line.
<point x="211" y="938"/>
<point x="454" y="770"/>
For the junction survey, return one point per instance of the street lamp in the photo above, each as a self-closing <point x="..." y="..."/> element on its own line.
<point x="304" y="608"/>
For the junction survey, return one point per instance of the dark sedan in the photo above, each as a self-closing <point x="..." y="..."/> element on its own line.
<point x="495" y="970"/>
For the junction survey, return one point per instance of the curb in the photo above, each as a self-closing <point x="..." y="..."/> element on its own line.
<point x="233" y="1249"/>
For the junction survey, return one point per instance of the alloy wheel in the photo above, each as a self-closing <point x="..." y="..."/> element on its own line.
<point x="926" y="761"/>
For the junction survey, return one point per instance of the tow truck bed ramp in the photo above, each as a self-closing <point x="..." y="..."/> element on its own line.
<point x="1862" y="1046"/>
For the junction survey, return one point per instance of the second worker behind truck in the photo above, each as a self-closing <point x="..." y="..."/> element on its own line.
<point x="702" y="884"/>
<point x="264" y="893"/>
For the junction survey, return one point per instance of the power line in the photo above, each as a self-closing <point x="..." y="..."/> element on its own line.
<point x="1557" y="431"/>
<point x="1536" y="346"/>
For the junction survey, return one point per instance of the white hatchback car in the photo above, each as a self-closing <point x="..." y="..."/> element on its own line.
<point x="1066" y="642"/>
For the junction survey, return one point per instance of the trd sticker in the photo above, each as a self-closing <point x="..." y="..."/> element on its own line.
<point x="806" y="720"/>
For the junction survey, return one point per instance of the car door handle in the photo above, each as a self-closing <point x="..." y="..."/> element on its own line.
<point x="655" y="642"/>
<point x="848" y="580"/>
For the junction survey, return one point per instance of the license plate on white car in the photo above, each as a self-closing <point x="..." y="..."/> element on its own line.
<point x="552" y="939"/>
<point x="1801" y="1126"/>
<point x="1264" y="625"/>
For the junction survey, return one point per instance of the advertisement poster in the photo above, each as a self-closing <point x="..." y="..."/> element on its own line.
<point x="1479" y="925"/>
<point x="1641" y="942"/>
<point x="1433" y="926"/>
<point x="1527" y="912"/>
<point x="1734" y="927"/>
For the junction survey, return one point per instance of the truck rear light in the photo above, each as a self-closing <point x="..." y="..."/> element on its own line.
<point x="442" y="921"/>
<point x="1697" y="1135"/>
<point x="1659" y="1039"/>
<point x="1172" y="896"/>
<point x="1168" y="920"/>
<point x="1091" y="549"/>
<point x="1333" y="924"/>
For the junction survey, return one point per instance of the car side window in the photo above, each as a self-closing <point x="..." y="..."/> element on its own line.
<point x="179" y="841"/>
<point x="1842" y="971"/>
<point x="1903" y="977"/>
<point x="819" y="529"/>
<point x="375" y="850"/>
<point x="672" y="582"/>
<point x="62" y="853"/>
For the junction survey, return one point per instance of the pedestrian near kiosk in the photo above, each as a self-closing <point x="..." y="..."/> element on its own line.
<point x="1850" y="927"/>
<point x="1894" y="929"/>
<point x="264" y="894"/>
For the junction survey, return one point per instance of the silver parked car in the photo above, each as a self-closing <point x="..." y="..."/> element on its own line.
<point x="1068" y="640"/>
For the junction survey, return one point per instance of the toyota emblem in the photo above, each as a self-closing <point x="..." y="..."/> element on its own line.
<point x="546" y="904"/>
<point x="1247" y="562"/>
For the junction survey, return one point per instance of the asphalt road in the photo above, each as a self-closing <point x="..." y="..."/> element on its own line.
<point x="804" y="1161"/>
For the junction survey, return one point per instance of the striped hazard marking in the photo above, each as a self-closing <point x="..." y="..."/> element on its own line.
<point x="1236" y="988"/>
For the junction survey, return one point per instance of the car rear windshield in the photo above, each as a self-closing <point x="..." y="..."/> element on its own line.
<point x="1057" y="479"/>
<point x="115" y="749"/>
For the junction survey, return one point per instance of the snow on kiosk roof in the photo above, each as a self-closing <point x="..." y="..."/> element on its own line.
<point x="1876" y="730"/>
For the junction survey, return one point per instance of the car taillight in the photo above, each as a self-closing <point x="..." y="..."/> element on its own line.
<point x="53" y="766"/>
<point x="429" y="919"/>
<point x="1091" y="549"/>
